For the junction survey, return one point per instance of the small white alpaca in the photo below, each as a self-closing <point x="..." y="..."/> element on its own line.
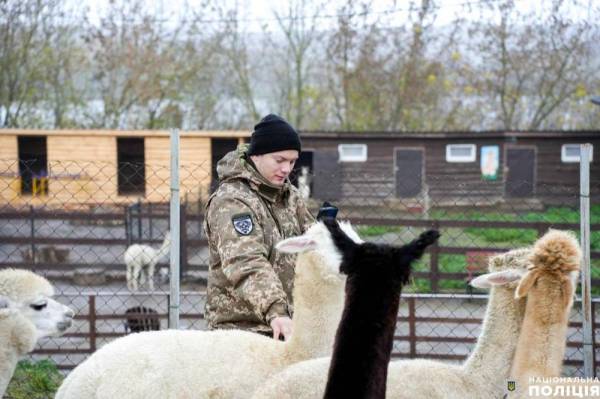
<point x="141" y="260"/>
<point x="27" y="313"/>
<point x="304" y="182"/>
<point x="18" y="336"/>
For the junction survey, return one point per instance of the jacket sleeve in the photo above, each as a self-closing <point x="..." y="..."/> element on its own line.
<point x="244" y="257"/>
<point x="305" y="218"/>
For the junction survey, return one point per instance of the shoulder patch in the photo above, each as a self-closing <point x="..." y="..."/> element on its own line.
<point x="242" y="223"/>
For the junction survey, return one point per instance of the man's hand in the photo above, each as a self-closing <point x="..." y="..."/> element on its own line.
<point x="282" y="326"/>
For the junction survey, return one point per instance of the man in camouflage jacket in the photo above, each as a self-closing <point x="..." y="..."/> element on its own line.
<point x="255" y="206"/>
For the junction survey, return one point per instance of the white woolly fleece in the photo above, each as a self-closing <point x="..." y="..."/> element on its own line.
<point x="482" y="376"/>
<point x="17" y="337"/>
<point x="23" y="285"/>
<point x="221" y="364"/>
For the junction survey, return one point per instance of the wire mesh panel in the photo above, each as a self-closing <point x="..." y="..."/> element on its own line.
<point x="76" y="231"/>
<point x="74" y="221"/>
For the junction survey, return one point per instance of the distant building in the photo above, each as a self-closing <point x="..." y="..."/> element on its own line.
<point x="88" y="167"/>
<point x="447" y="169"/>
<point x="91" y="167"/>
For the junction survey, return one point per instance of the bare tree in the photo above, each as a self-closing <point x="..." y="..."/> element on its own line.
<point x="134" y="58"/>
<point x="238" y="67"/>
<point x="342" y="53"/>
<point x="298" y="24"/>
<point x="21" y="41"/>
<point x="63" y="62"/>
<point x="531" y="65"/>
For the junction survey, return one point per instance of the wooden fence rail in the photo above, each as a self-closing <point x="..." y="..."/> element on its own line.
<point x="411" y="317"/>
<point x="127" y="217"/>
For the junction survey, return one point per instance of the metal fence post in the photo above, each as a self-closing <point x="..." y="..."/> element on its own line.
<point x="174" y="224"/>
<point x="586" y="297"/>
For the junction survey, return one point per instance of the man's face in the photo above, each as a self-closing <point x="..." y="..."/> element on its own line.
<point x="275" y="166"/>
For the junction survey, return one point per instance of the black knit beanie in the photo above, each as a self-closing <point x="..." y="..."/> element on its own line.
<point x="273" y="134"/>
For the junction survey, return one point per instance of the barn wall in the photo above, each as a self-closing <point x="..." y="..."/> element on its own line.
<point x="446" y="183"/>
<point x="9" y="178"/>
<point x="83" y="167"/>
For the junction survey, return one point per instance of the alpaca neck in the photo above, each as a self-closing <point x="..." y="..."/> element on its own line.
<point x="492" y="357"/>
<point x="542" y="343"/>
<point x="7" y="368"/>
<point x="163" y="250"/>
<point x="317" y="309"/>
<point x="364" y="338"/>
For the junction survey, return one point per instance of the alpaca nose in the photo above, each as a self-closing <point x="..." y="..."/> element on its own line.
<point x="63" y="325"/>
<point x="69" y="313"/>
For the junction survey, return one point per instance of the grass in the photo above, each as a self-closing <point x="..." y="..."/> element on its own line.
<point x="374" y="231"/>
<point x="38" y="380"/>
<point x="475" y="237"/>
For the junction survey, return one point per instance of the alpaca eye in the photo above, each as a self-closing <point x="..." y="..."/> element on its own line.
<point x="38" y="306"/>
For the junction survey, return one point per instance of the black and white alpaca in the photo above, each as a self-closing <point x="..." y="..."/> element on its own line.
<point x="364" y="339"/>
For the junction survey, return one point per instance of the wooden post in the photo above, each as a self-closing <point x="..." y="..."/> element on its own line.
<point x="412" y="328"/>
<point x="433" y="262"/>
<point x="128" y="225"/>
<point x="541" y="229"/>
<point x="92" y="320"/>
<point x="150" y="232"/>
<point x="139" y="224"/>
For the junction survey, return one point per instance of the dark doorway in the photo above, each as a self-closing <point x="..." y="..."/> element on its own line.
<point x="219" y="148"/>
<point x="33" y="165"/>
<point x="520" y="176"/>
<point x="131" y="166"/>
<point x="327" y="179"/>
<point x="409" y="172"/>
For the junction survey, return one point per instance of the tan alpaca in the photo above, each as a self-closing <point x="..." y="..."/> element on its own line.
<point x="549" y="286"/>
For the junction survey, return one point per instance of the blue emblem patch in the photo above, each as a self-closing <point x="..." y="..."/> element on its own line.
<point x="243" y="224"/>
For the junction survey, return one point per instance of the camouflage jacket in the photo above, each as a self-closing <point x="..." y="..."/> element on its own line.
<point x="249" y="282"/>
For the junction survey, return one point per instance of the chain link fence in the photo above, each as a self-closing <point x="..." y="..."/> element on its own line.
<point x="74" y="221"/>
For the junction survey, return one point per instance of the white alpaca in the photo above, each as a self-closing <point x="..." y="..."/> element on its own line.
<point x="141" y="260"/>
<point x="27" y="313"/>
<point x="483" y="375"/>
<point x="18" y="336"/>
<point x="223" y="363"/>
<point x="549" y="286"/>
<point x="304" y="182"/>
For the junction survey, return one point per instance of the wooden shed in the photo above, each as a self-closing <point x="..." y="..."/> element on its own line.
<point x="92" y="167"/>
<point x="449" y="169"/>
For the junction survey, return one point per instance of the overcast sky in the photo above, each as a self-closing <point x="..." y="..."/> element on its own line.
<point x="257" y="13"/>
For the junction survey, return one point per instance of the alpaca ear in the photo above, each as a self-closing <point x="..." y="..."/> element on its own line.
<point x="496" y="278"/>
<point x="296" y="244"/>
<point x="340" y="239"/>
<point x="569" y="292"/>
<point x="526" y="284"/>
<point x="347" y="228"/>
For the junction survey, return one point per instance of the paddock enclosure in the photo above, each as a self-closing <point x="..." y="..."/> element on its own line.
<point x="71" y="202"/>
